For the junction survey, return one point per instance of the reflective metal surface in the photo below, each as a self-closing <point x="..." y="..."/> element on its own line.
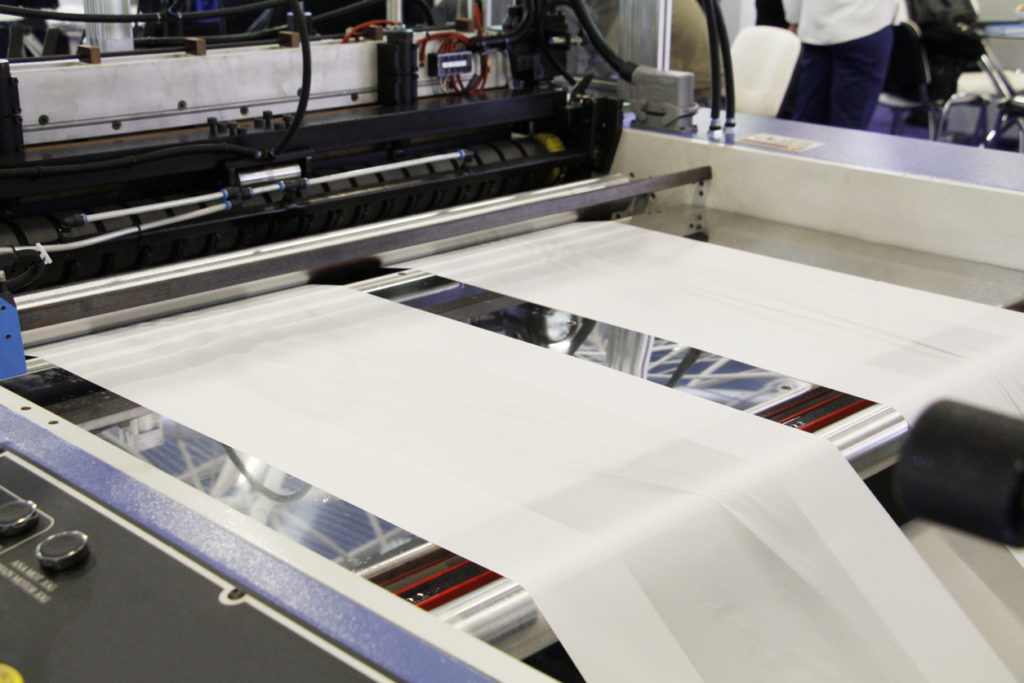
<point x="665" y="362"/>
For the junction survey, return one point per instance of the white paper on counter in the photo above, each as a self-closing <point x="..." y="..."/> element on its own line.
<point x="893" y="345"/>
<point x="663" y="537"/>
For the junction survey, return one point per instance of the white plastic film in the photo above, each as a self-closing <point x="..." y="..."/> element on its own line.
<point x="663" y="537"/>
<point x="897" y="346"/>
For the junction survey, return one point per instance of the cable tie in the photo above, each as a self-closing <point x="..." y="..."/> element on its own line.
<point x="227" y="204"/>
<point x="43" y="255"/>
<point x="224" y="193"/>
<point x="280" y="185"/>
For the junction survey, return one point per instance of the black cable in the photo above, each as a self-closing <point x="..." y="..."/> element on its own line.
<point x="623" y="67"/>
<point x="259" y="486"/>
<point x="231" y="11"/>
<point x="39" y="170"/>
<point x="307" y="77"/>
<point x="515" y="35"/>
<point x="687" y="361"/>
<point x="29" y="277"/>
<point x="726" y="49"/>
<point x="545" y="51"/>
<point x="710" y="15"/>
<point x="367" y="5"/>
<point x="32" y="13"/>
<point x="348" y="9"/>
<point x="429" y="11"/>
<point x="217" y="39"/>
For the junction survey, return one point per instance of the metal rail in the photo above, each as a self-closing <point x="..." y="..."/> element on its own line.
<point x="312" y="254"/>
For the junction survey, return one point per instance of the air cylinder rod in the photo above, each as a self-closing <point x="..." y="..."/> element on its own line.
<point x="394" y="11"/>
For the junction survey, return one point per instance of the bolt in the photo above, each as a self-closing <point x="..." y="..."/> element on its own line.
<point x="43" y="119"/>
<point x="182" y="104"/>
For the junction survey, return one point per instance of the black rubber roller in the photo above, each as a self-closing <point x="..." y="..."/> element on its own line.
<point x="964" y="467"/>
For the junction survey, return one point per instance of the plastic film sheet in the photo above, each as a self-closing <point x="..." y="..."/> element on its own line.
<point x="663" y="537"/>
<point x="894" y="345"/>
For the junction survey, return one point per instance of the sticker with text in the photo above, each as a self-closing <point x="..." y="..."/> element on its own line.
<point x="781" y="142"/>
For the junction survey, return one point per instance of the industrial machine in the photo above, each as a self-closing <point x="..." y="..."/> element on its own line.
<point x="212" y="169"/>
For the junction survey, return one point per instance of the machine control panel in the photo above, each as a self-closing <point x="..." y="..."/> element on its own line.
<point x="86" y="596"/>
<point x="17" y="517"/>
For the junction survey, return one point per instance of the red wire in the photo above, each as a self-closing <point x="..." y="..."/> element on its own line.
<point x="351" y="33"/>
<point x="484" y="68"/>
<point x="451" y="41"/>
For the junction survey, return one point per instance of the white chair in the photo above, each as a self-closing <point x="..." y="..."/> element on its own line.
<point x="980" y="82"/>
<point x="763" y="59"/>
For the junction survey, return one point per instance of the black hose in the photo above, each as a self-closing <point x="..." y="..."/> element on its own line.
<point x="217" y="39"/>
<point x="623" y="67"/>
<point x="31" y="13"/>
<point x="711" y="16"/>
<point x="29" y="277"/>
<point x="366" y="5"/>
<point x="307" y="77"/>
<point x="231" y="11"/>
<point x="39" y="170"/>
<point x="730" y="89"/>
<point x="427" y="10"/>
<point x="515" y="35"/>
<point x="545" y="51"/>
<point x="348" y="9"/>
<point x="140" y="17"/>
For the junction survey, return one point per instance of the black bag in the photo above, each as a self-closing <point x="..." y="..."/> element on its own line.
<point x="941" y="11"/>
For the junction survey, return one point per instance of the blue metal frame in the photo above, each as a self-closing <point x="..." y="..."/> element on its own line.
<point x="12" y="350"/>
<point x="356" y="628"/>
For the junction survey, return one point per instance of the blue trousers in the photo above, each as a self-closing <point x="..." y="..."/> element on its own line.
<point x="839" y="84"/>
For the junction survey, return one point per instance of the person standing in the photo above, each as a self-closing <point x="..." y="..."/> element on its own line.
<point x="690" y="51"/>
<point x="846" y="48"/>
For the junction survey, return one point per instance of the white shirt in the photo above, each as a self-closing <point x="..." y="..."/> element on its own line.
<point x="830" y="22"/>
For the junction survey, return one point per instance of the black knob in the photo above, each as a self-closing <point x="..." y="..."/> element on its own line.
<point x="17" y="516"/>
<point x="62" y="550"/>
